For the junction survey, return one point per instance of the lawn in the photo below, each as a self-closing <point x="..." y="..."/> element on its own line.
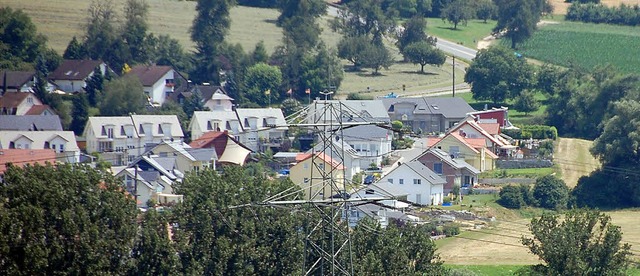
<point x="468" y="35"/>
<point x="585" y="45"/>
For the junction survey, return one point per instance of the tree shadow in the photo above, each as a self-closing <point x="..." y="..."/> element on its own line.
<point x="426" y="73"/>
<point x="369" y="75"/>
<point x="449" y="28"/>
<point x="352" y="69"/>
<point x="271" y="21"/>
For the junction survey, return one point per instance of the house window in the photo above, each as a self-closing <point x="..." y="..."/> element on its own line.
<point x="141" y="129"/>
<point x="46" y="145"/>
<point x="109" y="132"/>
<point x="437" y="168"/>
<point x="417" y="181"/>
<point x="30" y="100"/>
<point x="467" y="180"/>
<point x="401" y="181"/>
<point x="160" y="131"/>
<point x="246" y="122"/>
<point x="103" y="132"/>
<point x="218" y="102"/>
<point x="264" y="122"/>
<point x="306" y="180"/>
<point x="454" y="150"/>
<point x="419" y="198"/>
<point x="53" y="147"/>
<point x="216" y="126"/>
<point x="122" y="132"/>
<point x="209" y="126"/>
<point x="390" y="180"/>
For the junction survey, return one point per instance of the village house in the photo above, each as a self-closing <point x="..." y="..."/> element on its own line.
<point x="23" y="103"/>
<point x="23" y="157"/>
<point x="186" y="158"/>
<point x="63" y="143"/>
<point x="72" y="75"/>
<point x="423" y="186"/>
<point x="309" y="172"/>
<point x="455" y="171"/>
<point x="158" y="82"/>
<point x="427" y="114"/>
<point x="151" y="177"/>
<point x="20" y="81"/>
<point x="256" y="128"/>
<point x="121" y="139"/>
<point x="473" y="150"/>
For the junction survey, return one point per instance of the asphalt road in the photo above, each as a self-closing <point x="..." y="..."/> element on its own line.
<point x="456" y="50"/>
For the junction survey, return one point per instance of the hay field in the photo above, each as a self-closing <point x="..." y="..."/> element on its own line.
<point x="574" y="159"/>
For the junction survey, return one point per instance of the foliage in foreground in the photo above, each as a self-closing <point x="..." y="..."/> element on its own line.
<point x="68" y="219"/>
<point x="584" y="243"/>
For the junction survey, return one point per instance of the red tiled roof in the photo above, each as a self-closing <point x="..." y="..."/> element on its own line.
<point x="38" y="109"/>
<point x="13" y="99"/>
<point x="149" y="75"/>
<point x="432" y="140"/>
<point x="327" y="159"/>
<point x="22" y="157"/>
<point x="74" y="69"/>
<point x="491" y="128"/>
<point x="214" y="139"/>
<point x="15" y="79"/>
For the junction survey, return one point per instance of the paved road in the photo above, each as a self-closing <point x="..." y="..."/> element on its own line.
<point x="456" y="50"/>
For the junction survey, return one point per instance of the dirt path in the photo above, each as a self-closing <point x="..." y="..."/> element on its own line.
<point x="574" y="159"/>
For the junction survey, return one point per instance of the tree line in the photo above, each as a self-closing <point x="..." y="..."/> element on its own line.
<point x="597" y="13"/>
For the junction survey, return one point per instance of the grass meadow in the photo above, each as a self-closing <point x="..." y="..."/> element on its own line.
<point x="515" y="116"/>
<point x="467" y="35"/>
<point x="585" y="45"/>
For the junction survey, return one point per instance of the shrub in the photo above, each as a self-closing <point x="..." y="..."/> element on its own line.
<point x="551" y="192"/>
<point x="511" y="197"/>
<point x="451" y="229"/>
<point x="533" y="131"/>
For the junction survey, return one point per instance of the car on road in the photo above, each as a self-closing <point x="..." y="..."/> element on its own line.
<point x="342" y="194"/>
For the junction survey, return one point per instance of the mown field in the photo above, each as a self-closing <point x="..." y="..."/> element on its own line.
<point x="467" y="35"/>
<point x="586" y="45"/>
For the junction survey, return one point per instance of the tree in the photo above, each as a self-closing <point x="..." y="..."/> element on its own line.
<point x="298" y="21"/>
<point x="551" y="192"/>
<point x="320" y="71"/>
<point x="364" y="18"/>
<point x="20" y="44"/>
<point x="582" y="243"/>
<point x="74" y="50"/>
<point x="486" y="9"/>
<point x="376" y="57"/>
<point x="619" y="143"/>
<point x="457" y="11"/>
<point x="168" y="51"/>
<point x="496" y="74"/>
<point x="526" y="102"/>
<point x="208" y="31"/>
<point x="260" y="79"/>
<point x="123" y="96"/>
<point x="153" y="252"/>
<point x="518" y="19"/>
<point x="351" y="48"/>
<point x="511" y="197"/>
<point x="414" y="30"/>
<point x="80" y="113"/>
<point x="259" y="53"/>
<point x="134" y="30"/>
<point x="64" y="219"/>
<point x="95" y="85"/>
<point x="424" y="53"/>
<point x="290" y="106"/>
<point x="101" y="30"/>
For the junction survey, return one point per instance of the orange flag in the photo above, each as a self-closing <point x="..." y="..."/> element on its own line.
<point x="308" y="91"/>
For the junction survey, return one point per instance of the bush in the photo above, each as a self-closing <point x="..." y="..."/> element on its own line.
<point x="597" y="13"/>
<point x="511" y="197"/>
<point x="551" y="192"/>
<point x="451" y="229"/>
<point x="533" y="131"/>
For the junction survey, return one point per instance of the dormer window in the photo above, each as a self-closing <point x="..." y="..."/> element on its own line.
<point x="122" y="132"/>
<point x="160" y="131"/>
<point x="29" y="100"/>
<point x="103" y="132"/>
<point x="228" y="126"/>
<point x="246" y="122"/>
<point x="209" y="126"/>
<point x="47" y="145"/>
<point x="12" y="145"/>
<point x="141" y="131"/>
<point x="264" y="122"/>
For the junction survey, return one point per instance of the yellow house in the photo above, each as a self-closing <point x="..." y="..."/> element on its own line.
<point x="311" y="169"/>
<point x="473" y="150"/>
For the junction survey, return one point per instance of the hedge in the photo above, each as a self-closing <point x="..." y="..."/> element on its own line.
<point x="533" y="131"/>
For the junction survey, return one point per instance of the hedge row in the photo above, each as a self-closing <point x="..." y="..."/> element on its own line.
<point x="533" y="131"/>
<point x="597" y="13"/>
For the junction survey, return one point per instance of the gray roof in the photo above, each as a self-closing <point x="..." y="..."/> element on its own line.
<point x="425" y="172"/>
<point x="30" y="122"/>
<point x="367" y="109"/>
<point x="203" y="154"/>
<point x="365" y="132"/>
<point x="168" y="163"/>
<point x="457" y="163"/>
<point x="446" y="106"/>
<point x="149" y="175"/>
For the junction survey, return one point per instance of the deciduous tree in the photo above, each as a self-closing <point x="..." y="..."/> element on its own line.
<point x="517" y="19"/>
<point x="582" y="243"/>
<point x="20" y="44"/>
<point x="376" y="57"/>
<point x="456" y="12"/>
<point x="123" y="96"/>
<point x="424" y="53"/>
<point x="260" y="79"/>
<point x="526" y="102"/>
<point x="551" y="192"/>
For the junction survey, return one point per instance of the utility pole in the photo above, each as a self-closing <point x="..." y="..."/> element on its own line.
<point x="453" y="83"/>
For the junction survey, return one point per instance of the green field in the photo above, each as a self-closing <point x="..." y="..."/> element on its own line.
<point x="468" y="35"/>
<point x="527" y="173"/>
<point x="586" y="45"/>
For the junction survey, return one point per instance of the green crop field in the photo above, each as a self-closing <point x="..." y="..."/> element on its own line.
<point x="586" y="45"/>
<point x="468" y="35"/>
